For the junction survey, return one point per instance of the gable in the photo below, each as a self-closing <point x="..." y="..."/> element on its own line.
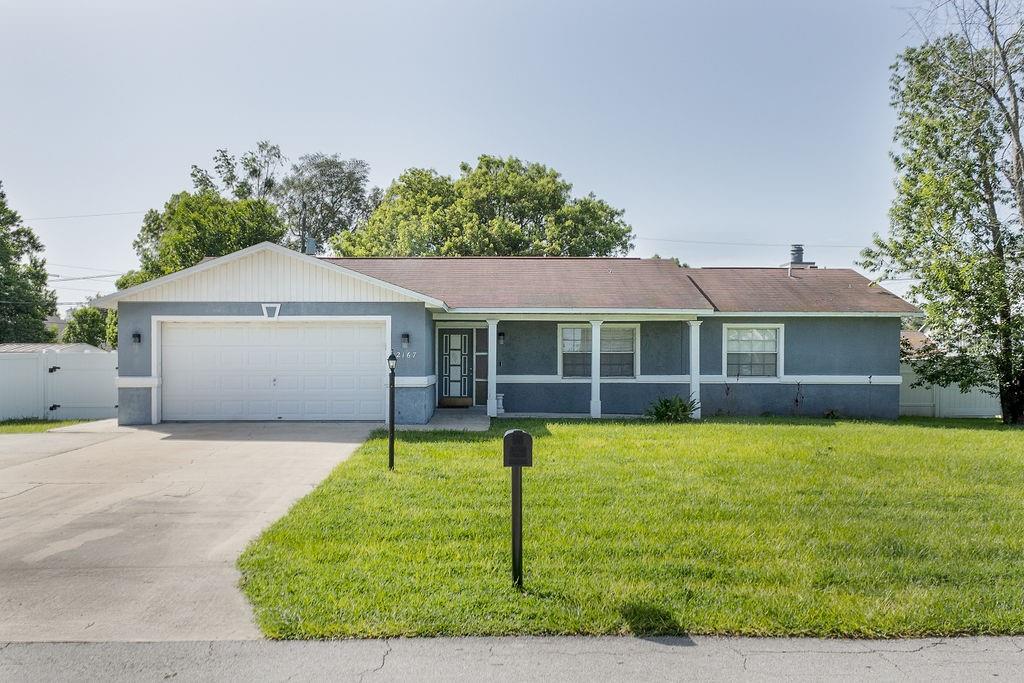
<point x="267" y="275"/>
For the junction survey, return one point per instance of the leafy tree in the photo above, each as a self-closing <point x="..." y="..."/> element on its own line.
<point x="194" y="226"/>
<point x="87" y="325"/>
<point x="324" y="195"/>
<point x="956" y="222"/>
<point x="110" y="329"/>
<point x="25" y="302"/>
<point x="673" y="259"/>
<point x="500" y="207"/>
<point x="252" y="177"/>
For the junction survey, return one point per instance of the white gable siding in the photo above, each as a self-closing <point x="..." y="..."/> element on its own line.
<point x="267" y="276"/>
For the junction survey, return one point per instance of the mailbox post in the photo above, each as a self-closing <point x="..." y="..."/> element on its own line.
<point x="392" y="362"/>
<point x="518" y="452"/>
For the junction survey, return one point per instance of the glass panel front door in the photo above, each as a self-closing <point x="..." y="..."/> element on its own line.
<point x="456" y="363"/>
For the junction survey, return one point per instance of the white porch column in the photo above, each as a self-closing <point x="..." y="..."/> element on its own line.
<point x="595" y="368"/>
<point x="492" y="368"/>
<point x="695" y="365"/>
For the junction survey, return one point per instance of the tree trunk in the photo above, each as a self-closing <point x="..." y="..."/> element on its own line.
<point x="1011" y="400"/>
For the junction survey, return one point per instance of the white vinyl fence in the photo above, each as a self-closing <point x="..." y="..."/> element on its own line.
<point x="58" y="385"/>
<point x="944" y="401"/>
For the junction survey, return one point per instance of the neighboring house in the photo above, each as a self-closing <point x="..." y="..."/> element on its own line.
<point x="57" y="324"/>
<point x="936" y="401"/>
<point x="267" y="333"/>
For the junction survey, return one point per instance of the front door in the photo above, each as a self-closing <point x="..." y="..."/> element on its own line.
<point x="456" y="362"/>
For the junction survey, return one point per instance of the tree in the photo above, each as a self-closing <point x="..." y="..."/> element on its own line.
<point x="25" y="301"/>
<point x="500" y="207"/>
<point x="110" y="329"/>
<point x="87" y="325"/>
<point x="673" y="259"/>
<point x="324" y="195"/>
<point x="956" y="222"/>
<point x="254" y="177"/>
<point x="194" y="226"/>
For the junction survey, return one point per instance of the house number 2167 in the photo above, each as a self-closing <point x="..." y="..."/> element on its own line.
<point x="405" y="354"/>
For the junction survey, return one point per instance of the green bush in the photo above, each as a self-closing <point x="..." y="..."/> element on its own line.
<point x="673" y="409"/>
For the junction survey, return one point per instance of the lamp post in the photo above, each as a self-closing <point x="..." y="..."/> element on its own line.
<point x="392" y="362"/>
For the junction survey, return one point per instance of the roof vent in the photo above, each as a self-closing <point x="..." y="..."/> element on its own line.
<point x="796" y="258"/>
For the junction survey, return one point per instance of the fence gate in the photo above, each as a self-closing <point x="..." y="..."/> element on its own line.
<point x="58" y="385"/>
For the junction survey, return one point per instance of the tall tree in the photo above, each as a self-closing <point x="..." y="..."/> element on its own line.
<point x="254" y="176"/>
<point x="499" y="207"/>
<point x="86" y="325"/>
<point x="956" y="222"/>
<point x="25" y="301"/>
<point x="194" y="226"/>
<point x="324" y="195"/>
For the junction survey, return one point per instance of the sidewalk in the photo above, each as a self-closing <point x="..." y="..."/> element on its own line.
<point x="518" y="659"/>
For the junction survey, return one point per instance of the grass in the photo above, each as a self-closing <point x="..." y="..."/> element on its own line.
<point x="757" y="527"/>
<point x="31" y="424"/>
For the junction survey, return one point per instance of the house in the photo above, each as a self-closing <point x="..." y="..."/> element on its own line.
<point x="267" y="333"/>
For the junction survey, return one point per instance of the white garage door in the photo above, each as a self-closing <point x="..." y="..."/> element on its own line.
<point x="273" y="371"/>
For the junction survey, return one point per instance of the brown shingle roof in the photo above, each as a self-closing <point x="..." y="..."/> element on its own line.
<point x="514" y="282"/>
<point x="810" y="290"/>
<point x="915" y="338"/>
<point x="627" y="283"/>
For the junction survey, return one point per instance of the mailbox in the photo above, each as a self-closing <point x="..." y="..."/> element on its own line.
<point x="518" y="448"/>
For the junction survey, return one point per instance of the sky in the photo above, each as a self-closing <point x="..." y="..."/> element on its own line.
<point x="726" y="130"/>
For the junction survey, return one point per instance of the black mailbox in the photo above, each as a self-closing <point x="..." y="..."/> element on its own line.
<point x="518" y="448"/>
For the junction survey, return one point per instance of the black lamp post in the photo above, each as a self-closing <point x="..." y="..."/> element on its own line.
<point x="392" y="362"/>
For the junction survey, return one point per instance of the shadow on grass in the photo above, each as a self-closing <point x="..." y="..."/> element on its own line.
<point x="654" y="623"/>
<point x="538" y="427"/>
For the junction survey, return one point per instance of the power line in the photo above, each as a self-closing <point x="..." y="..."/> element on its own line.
<point x="752" y="244"/>
<point x="79" y="289"/>
<point x="84" y="215"/>
<point x="58" y="278"/>
<point x="32" y="303"/>
<point x="68" y="265"/>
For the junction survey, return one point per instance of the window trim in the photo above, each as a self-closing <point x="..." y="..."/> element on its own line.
<point x="780" y="369"/>
<point x="604" y="326"/>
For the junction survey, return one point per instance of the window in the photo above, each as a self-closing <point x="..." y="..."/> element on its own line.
<point x="618" y="350"/>
<point x="752" y="351"/>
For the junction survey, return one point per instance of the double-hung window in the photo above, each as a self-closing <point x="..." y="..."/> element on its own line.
<point x="618" y="350"/>
<point x="752" y="351"/>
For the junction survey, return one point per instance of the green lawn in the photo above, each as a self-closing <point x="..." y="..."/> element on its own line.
<point x="758" y="527"/>
<point x="22" y="426"/>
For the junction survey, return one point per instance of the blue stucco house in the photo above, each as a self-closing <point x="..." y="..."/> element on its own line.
<point x="267" y="333"/>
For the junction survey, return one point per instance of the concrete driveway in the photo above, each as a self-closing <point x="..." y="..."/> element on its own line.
<point x="111" y="533"/>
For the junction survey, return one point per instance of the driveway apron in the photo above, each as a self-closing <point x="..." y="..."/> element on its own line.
<point x="132" y="534"/>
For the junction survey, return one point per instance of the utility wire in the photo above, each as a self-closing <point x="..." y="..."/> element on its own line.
<point x="58" y="278"/>
<point x="84" y="215"/>
<point x="68" y="265"/>
<point x="752" y="244"/>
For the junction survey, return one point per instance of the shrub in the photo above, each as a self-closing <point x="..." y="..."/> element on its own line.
<point x="673" y="409"/>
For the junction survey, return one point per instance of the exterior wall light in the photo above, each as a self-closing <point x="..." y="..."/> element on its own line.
<point x="136" y="337"/>
<point x="405" y="340"/>
<point x="501" y="338"/>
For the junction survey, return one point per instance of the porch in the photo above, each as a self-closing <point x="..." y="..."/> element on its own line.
<point x="567" y="364"/>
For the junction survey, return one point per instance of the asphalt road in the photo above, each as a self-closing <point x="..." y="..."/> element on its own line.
<point x="520" y="659"/>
